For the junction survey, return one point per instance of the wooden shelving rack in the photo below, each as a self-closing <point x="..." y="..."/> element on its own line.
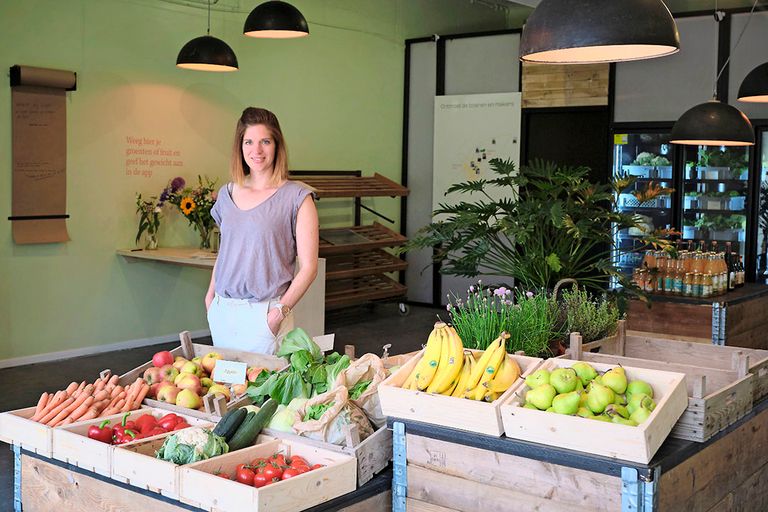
<point x="356" y="262"/>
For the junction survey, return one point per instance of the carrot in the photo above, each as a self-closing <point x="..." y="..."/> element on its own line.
<point x="99" y="384"/>
<point x="115" y="408"/>
<point x="74" y="404"/>
<point x="80" y="409"/>
<point x="41" y="403"/>
<point x="79" y="390"/>
<point x="72" y="388"/>
<point x="116" y="391"/>
<point x="113" y="380"/>
<point x="90" y="414"/>
<point x="142" y="395"/>
<point x="99" y="395"/>
<point x="52" y="403"/>
<point x="115" y="399"/>
<point x="132" y="392"/>
<point x="56" y="410"/>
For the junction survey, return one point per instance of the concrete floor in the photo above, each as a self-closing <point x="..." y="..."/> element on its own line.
<point x="369" y="328"/>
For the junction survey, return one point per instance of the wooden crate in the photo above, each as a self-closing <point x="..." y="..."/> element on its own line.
<point x="636" y="444"/>
<point x="71" y="443"/>
<point x="214" y="409"/>
<point x="372" y="454"/>
<point x="716" y="398"/>
<point x="16" y="428"/>
<point x="471" y="415"/>
<point x="199" y="486"/>
<point x="666" y="348"/>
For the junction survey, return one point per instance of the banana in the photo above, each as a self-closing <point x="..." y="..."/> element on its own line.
<point x="443" y="369"/>
<point x="508" y="373"/>
<point x="429" y="361"/>
<point x="451" y="363"/>
<point x="411" y="378"/>
<point x="482" y="364"/>
<point x="466" y="369"/>
<point x="490" y="371"/>
<point x="491" y="396"/>
<point x="451" y="388"/>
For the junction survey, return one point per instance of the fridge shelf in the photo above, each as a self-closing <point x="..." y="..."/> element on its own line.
<point x="642" y="209"/>
<point x="726" y="181"/>
<point x="707" y="210"/>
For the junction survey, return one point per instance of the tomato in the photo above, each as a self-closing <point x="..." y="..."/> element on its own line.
<point x="222" y="475"/>
<point x="289" y="473"/>
<point x="272" y="471"/>
<point x="279" y="459"/>
<point x="260" y="462"/>
<point x="298" y="461"/>
<point x="300" y="468"/>
<point x="260" y="480"/>
<point x="245" y="476"/>
<point x="317" y="466"/>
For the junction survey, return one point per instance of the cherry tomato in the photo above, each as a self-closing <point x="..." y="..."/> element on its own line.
<point x="290" y="473"/>
<point x="260" y="480"/>
<point x="272" y="471"/>
<point x="300" y="469"/>
<point x="298" y="461"/>
<point x="279" y="459"/>
<point x="245" y="476"/>
<point x="317" y="466"/>
<point x="223" y="475"/>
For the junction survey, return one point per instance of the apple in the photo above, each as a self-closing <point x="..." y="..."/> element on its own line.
<point x="191" y="367"/>
<point x="239" y="389"/>
<point x="252" y="373"/>
<point x="169" y="372"/>
<point x="197" y="360"/>
<point x="181" y="376"/>
<point x="189" y="381"/>
<point x="219" y="388"/>
<point x="167" y="393"/>
<point x="188" y="398"/>
<point x="154" y="388"/>
<point x="162" y="358"/>
<point x="209" y="361"/>
<point x="179" y="362"/>
<point x="153" y="375"/>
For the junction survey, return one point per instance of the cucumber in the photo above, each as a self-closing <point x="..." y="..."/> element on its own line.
<point x="250" y="428"/>
<point x="227" y="425"/>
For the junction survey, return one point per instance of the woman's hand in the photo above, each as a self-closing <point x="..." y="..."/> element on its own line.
<point x="274" y="319"/>
<point x="208" y="301"/>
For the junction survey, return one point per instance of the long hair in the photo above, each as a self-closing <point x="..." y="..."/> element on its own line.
<point x="238" y="167"/>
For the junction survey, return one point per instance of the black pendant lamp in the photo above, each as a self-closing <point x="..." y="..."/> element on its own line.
<point x="275" y="20"/>
<point x="591" y="31"/>
<point x="754" y="88"/>
<point x="713" y="124"/>
<point x="207" y="53"/>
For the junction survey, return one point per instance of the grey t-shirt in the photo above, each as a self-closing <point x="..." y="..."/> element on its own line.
<point x="257" y="256"/>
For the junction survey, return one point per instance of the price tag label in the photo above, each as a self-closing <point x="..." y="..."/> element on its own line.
<point x="620" y="138"/>
<point x="229" y="372"/>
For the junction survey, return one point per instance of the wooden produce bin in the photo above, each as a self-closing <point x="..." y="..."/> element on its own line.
<point x="739" y="318"/>
<point x="716" y="398"/>
<point x="72" y="445"/>
<point x="16" y="428"/>
<point x="372" y="454"/>
<point x="637" y="444"/>
<point x="214" y="409"/>
<point x="474" y="416"/>
<point x="658" y="347"/>
<point x="201" y="487"/>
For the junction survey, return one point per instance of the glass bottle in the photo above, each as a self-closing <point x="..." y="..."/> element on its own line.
<point x="706" y="285"/>
<point x="697" y="284"/>
<point x="688" y="285"/>
<point x="679" y="277"/>
<point x="669" y="276"/>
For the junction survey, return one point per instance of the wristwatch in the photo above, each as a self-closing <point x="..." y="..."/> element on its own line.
<point x="284" y="310"/>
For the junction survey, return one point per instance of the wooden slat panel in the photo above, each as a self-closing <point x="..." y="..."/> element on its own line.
<point x="546" y="85"/>
<point x="750" y="495"/>
<point x="412" y="505"/>
<point x="372" y="237"/>
<point x="361" y="264"/>
<point x="353" y="186"/>
<point x="670" y="318"/>
<point x="747" y="316"/>
<point x="346" y="292"/>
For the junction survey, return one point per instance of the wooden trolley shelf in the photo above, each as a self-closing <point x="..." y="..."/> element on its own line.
<point x="353" y="186"/>
<point x="349" y="292"/>
<point x="336" y="241"/>
<point x="347" y="266"/>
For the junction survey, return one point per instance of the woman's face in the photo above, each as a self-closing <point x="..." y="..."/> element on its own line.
<point x="258" y="149"/>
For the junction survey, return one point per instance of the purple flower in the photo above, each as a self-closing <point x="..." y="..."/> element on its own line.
<point x="529" y="294"/>
<point x="448" y="307"/>
<point x="164" y="195"/>
<point x="177" y="184"/>
<point x="501" y="292"/>
<point x="472" y="289"/>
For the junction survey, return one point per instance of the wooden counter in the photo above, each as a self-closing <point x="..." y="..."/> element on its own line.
<point x="309" y="313"/>
<point x="738" y="318"/>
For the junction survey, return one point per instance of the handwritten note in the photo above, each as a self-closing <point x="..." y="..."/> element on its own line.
<point x="229" y="372"/>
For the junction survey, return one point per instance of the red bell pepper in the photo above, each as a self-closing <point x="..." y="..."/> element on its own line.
<point x="101" y="432"/>
<point x="146" y="422"/>
<point x="169" y="421"/>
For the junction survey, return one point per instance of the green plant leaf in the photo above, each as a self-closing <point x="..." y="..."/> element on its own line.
<point x="554" y="262"/>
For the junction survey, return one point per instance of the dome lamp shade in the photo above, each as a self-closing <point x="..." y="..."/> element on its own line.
<point x="207" y="53"/>
<point x="275" y="20"/>
<point x="754" y="88"/>
<point x="713" y="124"/>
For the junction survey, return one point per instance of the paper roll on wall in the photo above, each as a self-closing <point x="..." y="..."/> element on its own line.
<point x="43" y="77"/>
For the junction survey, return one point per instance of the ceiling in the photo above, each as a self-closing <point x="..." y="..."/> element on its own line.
<point x="673" y="5"/>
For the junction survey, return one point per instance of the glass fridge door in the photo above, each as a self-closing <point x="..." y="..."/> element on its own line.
<point x="762" y="213"/>
<point x="715" y="197"/>
<point x="648" y="157"/>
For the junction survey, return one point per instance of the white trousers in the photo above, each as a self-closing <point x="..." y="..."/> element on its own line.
<point x="242" y="325"/>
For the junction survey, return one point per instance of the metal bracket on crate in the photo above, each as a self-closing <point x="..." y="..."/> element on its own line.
<point x="399" y="476"/>
<point x="638" y="495"/>
<point x="718" y="323"/>
<point x="16" y="477"/>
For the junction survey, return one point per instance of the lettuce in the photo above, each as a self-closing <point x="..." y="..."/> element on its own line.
<point x="297" y="340"/>
<point x="334" y="369"/>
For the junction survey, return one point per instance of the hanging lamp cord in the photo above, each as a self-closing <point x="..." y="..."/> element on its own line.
<point x="718" y="19"/>
<point x="209" y="15"/>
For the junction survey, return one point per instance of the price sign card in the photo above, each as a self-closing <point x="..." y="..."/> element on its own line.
<point x="229" y="372"/>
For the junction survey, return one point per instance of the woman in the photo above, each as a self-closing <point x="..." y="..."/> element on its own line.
<point x="267" y="223"/>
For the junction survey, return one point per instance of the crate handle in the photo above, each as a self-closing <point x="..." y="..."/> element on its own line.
<point x="186" y="344"/>
<point x="699" y="386"/>
<point x="575" y="349"/>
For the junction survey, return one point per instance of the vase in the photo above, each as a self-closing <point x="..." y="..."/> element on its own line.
<point x="151" y="243"/>
<point x="205" y="237"/>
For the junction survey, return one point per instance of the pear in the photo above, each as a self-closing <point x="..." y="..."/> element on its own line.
<point x="530" y="406"/>
<point x="600" y="417"/>
<point x="551" y="409"/>
<point x="640" y="415"/>
<point x="616" y="380"/>
<point x="583" y="399"/>
<point x="620" y="400"/>
<point x="585" y="371"/>
<point x="584" y="412"/>
<point x="639" y="386"/>
<point x="564" y="380"/>
<point x="623" y="421"/>
<point x="537" y="378"/>
<point x="599" y="397"/>
<point x="566" y="403"/>
<point x="598" y="379"/>
<point x="541" y="396"/>
<point x="640" y="400"/>
<point x="613" y="409"/>
<point x="579" y="386"/>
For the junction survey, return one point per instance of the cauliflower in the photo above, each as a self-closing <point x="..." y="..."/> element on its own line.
<point x="191" y="445"/>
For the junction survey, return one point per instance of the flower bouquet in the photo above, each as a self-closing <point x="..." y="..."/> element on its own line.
<point x="149" y="219"/>
<point x="195" y="204"/>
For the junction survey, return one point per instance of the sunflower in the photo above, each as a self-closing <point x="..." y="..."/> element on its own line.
<point x="187" y="205"/>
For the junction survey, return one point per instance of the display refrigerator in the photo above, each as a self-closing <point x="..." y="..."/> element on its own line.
<point x="706" y="197"/>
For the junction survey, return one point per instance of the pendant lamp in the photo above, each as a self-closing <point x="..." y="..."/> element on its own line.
<point x="207" y="53"/>
<point x="591" y="31"/>
<point x="754" y="88"/>
<point x="275" y="20"/>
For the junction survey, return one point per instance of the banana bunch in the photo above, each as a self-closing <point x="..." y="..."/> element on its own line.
<point x="446" y="369"/>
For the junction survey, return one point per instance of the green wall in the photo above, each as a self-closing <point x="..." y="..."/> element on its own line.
<point x="338" y="94"/>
